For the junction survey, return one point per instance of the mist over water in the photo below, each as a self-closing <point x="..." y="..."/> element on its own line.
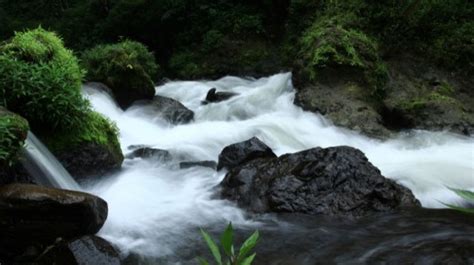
<point x="154" y="206"/>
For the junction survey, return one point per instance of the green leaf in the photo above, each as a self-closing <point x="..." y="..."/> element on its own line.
<point x="465" y="194"/>
<point x="226" y="240"/>
<point x="203" y="261"/>
<point x="248" y="260"/>
<point x="461" y="209"/>
<point x="212" y="246"/>
<point x="248" y="245"/>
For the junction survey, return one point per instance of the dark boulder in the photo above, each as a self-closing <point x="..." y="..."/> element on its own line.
<point x="214" y="96"/>
<point x="331" y="181"/>
<point x="239" y="153"/>
<point x="86" y="250"/>
<point x="150" y="153"/>
<point x="166" y="108"/>
<point x="36" y="215"/>
<point x="90" y="160"/>
<point x="189" y="164"/>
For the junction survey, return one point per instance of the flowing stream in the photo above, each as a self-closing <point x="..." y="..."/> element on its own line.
<point x="156" y="208"/>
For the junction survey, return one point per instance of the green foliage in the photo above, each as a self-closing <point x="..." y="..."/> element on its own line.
<point x="231" y="257"/>
<point x="13" y="131"/>
<point x="41" y="80"/>
<point x="331" y="42"/>
<point x="126" y="67"/>
<point x="94" y="128"/>
<point x="466" y="195"/>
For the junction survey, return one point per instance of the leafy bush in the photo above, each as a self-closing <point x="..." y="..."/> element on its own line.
<point x="94" y="128"/>
<point x="126" y="67"/>
<point x="41" y="80"/>
<point x="331" y="42"/>
<point x="231" y="258"/>
<point x="13" y="131"/>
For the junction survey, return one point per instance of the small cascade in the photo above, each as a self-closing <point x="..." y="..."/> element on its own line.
<point x="44" y="167"/>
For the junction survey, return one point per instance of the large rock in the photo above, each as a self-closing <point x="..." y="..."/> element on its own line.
<point x="90" y="160"/>
<point x="166" y="108"/>
<point x="86" y="250"/>
<point x="331" y="181"/>
<point x="239" y="153"/>
<point x="35" y="215"/>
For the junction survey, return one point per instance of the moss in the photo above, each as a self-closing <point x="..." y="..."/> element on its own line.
<point x="41" y="80"/>
<point x="13" y="131"/>
<point x="331" y="42"/>
<point x="126" y="67"/>
<point x="422" y="102"/>
<point x="95" y="129"/>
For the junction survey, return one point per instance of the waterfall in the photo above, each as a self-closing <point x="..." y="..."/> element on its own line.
<point x="44" y="167"/>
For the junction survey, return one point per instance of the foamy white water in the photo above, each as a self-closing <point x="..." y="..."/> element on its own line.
<point x="151" y="206"/>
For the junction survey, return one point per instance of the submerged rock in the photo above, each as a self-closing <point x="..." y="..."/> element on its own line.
<point x="36" y="215"/>
<point x="189" y="164"/>
<point x="150" y="153"/>
<point x="243" y="152"/>
<point x="214" y="96"/>
<point x="86" y="250"/>
<point x="331" y="181"/>
<point x="166" y="108"/>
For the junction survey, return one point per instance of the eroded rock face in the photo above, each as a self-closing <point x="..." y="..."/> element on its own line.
<point x="331" y="181"/>
<point x="167" y="109"/>
<point x="239" y="153"/>
<point x="36" y="215"/>
<point x="86" y="250"/>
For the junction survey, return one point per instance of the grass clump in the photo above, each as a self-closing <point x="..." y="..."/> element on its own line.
<point x="330" y="42"/>
<point x="41" y="80"/>
<point x="13" y="131"/>
<point x="128" y="68"/>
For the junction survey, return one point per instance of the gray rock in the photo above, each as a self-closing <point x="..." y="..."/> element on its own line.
<point x="189" y="164"/>
<point x="167" y="108"/>
<point x="243" y="152"/>
<point x="331" y="181"/>
<point x="150" y="153"/>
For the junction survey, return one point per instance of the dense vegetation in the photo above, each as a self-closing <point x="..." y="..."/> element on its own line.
<point x="127" y="68"/>
<point x="13" y="129"/>
<point x="41" y="80"/>
<point x="192" y="38"/>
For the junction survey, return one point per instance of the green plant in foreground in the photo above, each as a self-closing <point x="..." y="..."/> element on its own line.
<point x="465" y="194"/>
<point x="231" y="258"/>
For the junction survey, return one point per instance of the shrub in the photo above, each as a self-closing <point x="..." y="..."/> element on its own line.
<point x="13" y="131"/>
<point x="126" y="67"/>
<point x="41" y="80"/>
<point x="94" y="128"/>
<point x="331" y="42"/>
<point x="231" y="258"/>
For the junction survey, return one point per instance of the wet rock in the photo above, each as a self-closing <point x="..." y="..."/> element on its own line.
<point x="345" y="106"/>
<point x="36" y="215"/>
<point x="189" y="164"/>
<point x="331" y="181"/>
<point x="86" y="250"/>
<point x="90" y="160"/>
<point x="243" y="152"/>
<point x="166" y="108"/>
<point x="150" y="153"/>
<point x="214" y="96"/>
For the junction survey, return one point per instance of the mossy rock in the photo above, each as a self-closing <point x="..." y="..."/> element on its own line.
<point x="331" y="43"/>
<point x="41" y="80"/>
<point x="128" y="68"/>
<point x="89" y="150"/>
<point x="13" y="132"/>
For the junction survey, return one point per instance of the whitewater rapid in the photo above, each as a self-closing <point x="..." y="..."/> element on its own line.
<point x="153" y="206"/>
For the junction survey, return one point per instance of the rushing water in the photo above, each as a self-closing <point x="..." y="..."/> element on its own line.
<point x="155" y="208"/>
<point x="44" y="167"/>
